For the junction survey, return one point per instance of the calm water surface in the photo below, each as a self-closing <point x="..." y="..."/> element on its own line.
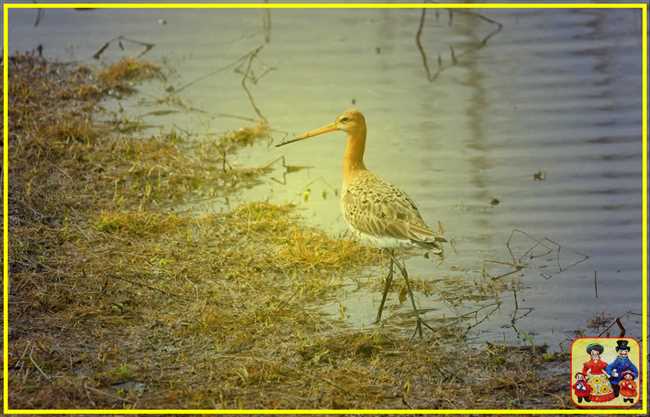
<point x="555" y="93"/>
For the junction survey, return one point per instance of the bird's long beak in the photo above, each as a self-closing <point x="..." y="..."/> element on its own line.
<point x="310" y="134"/>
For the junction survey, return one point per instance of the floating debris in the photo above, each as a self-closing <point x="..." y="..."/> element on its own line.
<point x="539" y="176"/>
<point x="116" y="75"/>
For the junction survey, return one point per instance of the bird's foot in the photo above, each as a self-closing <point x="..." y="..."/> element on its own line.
<point x="379" y="313"/>
<point x="418" y="328"/>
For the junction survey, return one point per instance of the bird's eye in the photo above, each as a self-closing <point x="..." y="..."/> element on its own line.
<point x="344" y="120"/>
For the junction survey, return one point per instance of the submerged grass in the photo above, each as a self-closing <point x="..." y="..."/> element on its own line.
<point x="117" y="301"/>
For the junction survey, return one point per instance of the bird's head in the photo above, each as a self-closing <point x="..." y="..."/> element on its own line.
<point x="350" y="121"/>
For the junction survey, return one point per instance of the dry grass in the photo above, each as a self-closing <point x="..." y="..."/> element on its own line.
<point x="118" y="75"/>
<point x="116" y="301"/>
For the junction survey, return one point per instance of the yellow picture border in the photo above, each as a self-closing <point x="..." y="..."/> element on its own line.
<point x="644" y="10"/>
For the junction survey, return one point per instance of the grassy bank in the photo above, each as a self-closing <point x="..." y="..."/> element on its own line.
<point x="118" y="301"/>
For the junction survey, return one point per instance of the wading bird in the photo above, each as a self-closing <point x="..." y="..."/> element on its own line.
<point x="375" y="210"/>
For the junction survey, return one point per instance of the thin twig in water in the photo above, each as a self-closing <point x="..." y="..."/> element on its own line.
<point x="119" y="39"/>
<point x="454" y="60"/>
<point x="517" y="262"/>
<point x="210" y="74"/>
<point x="617" y="322"/>
<point x="454" y="57"/>
<point x="267" y="24"/>
<point x="596" y="283"/>
<point x="559" y="248"/>
<point x="39" y="15"/>
<point x="418" y="42"/>
<point x="485" y="317"/>
<point x="234" y="116"/>
<point x="251" y="58"/>
<point x="514" y="318"/>
<point x="486" y="19"/>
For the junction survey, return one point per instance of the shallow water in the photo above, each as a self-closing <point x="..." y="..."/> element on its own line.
<point x="554" y="92"/>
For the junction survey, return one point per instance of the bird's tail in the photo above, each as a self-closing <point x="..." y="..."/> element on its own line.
<point x="433" y="245"/>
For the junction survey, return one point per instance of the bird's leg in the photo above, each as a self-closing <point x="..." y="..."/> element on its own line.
<point x="388" y="282"/>
<point x="420" y="322"/>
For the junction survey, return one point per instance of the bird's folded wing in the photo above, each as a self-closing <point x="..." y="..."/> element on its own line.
<point x="385" y="211"/>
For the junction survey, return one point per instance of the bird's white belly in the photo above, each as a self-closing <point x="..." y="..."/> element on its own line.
<point x="379" y="242"/>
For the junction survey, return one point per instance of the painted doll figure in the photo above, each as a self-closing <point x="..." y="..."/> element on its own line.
<point x="621" y="364"/>
<point x="628" y="387"/>
<point x="581" y="388"/>
<point x="598" y="380"/>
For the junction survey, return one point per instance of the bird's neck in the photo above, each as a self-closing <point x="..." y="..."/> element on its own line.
<point x="353" y="156"/>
